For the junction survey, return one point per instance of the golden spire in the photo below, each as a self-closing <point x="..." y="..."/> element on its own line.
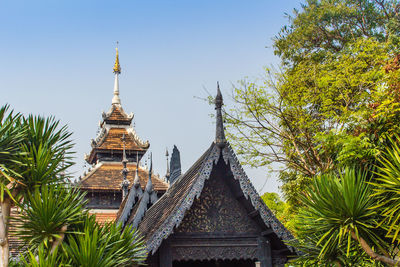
<point x="117" y="67"/>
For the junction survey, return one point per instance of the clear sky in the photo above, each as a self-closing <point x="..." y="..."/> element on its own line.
<point x="57" y="58"/>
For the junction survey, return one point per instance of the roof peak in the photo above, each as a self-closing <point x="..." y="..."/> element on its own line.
<point x="117" y="70"/>
<point x="117" y="67"/>
<point x="219" y="132"/>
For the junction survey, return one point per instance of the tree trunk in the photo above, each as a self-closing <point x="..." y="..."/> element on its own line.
<point x="4" y="243"/>
<point x="372" y="253"/>
<point x="59" y="240"/>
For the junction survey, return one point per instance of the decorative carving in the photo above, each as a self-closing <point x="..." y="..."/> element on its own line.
<point x="214" y="253"/>
<point x="217" y="210"/>
<point x="248" y="189"/>
<point x="250" y="192"/>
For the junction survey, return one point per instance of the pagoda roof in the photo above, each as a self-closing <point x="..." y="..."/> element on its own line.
<point x="116" y="115"/>
<point x="106" y="176"/>
<point x="110" y="139"/>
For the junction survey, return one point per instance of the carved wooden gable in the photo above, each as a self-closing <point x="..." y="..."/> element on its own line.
<point x="217" y="211"/>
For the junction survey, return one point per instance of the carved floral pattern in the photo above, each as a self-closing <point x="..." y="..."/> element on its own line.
<point x="217" y="211"/>
<point x="214" y="253"/>
<point x="248" y="189"/>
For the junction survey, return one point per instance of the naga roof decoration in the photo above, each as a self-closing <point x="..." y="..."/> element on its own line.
<point x="165" y="215"/>
<point x="148" y="197"/>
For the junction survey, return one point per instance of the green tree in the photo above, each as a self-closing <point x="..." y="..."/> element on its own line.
<point x="35" y="154"/>
<point x="281" y="210"/>
<point x="334" y="100"/>
<point x="341" y="222"/>
<point x="35" y="151"/>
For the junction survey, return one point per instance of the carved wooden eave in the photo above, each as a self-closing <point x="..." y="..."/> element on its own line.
<point x="157" y="230"/>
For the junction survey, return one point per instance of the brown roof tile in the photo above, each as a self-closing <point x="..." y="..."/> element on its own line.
<point x="104" y="217"/>
<point x="107" y="176"/>
<point x="117" y="115"/>
<point x="113" y="140"/>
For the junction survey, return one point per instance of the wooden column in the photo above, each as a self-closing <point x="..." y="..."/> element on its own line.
<point x="165" y="254"/>
<point x="264" y="252"/>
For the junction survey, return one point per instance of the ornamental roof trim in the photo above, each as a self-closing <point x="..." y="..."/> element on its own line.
<point x="196" y="177"/>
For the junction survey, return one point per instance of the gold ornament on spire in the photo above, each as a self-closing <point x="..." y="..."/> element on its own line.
<point x="117" y="67"/>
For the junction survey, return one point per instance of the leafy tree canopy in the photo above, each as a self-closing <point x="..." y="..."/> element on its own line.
<point x="335" y="99"/>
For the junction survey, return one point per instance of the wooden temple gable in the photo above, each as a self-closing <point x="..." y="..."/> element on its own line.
<point x="216" y="227"/>
<point x="222" y="225"/>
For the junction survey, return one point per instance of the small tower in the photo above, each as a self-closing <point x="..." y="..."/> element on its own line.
<point x="175" y="165"/>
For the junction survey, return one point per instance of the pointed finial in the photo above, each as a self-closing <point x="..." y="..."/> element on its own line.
<point x="220" y="133"/>
<point x="124" y="152"/>
<point x="117" y="67"/>
<point x="149" y="185"/>
<point x="167" y="172"/>
<point x="125" y="181"/>
<point x="136" y="181"/>
<point x="117" y="70"/>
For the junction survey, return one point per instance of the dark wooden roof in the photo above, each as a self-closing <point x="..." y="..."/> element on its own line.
<point x="106" y="176"/>
<point x="167" y="204"/>
<point x="168" y="212"/>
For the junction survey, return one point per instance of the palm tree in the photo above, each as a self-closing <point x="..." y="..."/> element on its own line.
<point x="55" y="218"/>
<point x="341" y="219"/>
<point x="33" y="151"/>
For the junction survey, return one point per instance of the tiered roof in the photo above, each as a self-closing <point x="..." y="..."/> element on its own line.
<point x="108" y="149"/>
<point x="107" y="176"/>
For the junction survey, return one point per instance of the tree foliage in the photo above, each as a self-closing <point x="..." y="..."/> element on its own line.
<point x="35" y="154"/>
<point x="334" y="101"/>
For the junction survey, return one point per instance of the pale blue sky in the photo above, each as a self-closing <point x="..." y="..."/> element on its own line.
<point x="57" y="58"/>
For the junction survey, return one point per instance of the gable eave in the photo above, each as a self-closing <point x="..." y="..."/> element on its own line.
<point x="175" y="218"/>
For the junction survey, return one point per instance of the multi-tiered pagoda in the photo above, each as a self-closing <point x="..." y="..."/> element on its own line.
<point x="116" y="138"/>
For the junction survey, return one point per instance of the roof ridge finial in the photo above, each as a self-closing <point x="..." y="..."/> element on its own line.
<point x="149" y="185"/>
<point x="117" y="67"/>
<point x="220" y="133"/>
<point x="167" y="173"/>
<point x="125" y="182"/>
<point x="117" y="71"/>
<point x="136" y="181"/>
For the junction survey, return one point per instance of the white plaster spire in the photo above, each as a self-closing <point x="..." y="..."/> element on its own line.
<point x="136" y="181"/>
<point x="117" y="71"/>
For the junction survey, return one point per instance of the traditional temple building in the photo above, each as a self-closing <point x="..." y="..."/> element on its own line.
<point x="116" y="144"/>
<point x="210" y="215"/>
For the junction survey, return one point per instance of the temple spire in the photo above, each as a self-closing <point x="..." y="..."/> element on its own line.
<point x="117" y="71"/>
<point x="220" y="133"/>
<point x="125" y="181"/>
